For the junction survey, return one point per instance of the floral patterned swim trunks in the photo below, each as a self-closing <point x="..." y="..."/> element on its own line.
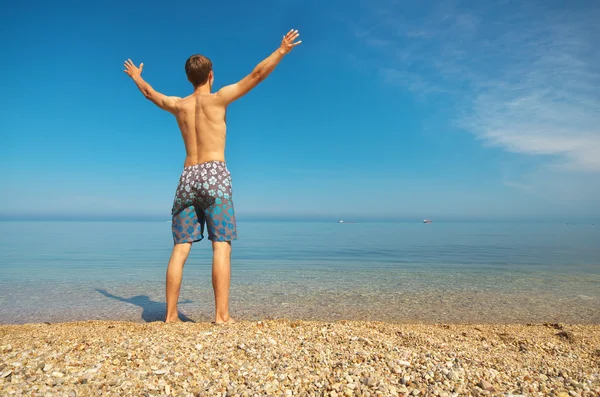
<point x="204" y="197"/>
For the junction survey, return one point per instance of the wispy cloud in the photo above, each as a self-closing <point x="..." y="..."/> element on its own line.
<point x="523" y="77"/>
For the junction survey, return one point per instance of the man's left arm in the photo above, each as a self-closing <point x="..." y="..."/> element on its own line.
<point x="162" y="101"/>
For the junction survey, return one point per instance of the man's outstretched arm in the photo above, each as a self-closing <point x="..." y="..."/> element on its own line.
<point x="235" y="91"/>
<point x="162" y="101"/>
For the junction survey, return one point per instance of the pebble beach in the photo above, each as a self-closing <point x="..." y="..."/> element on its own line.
<point x="299" y="358"/>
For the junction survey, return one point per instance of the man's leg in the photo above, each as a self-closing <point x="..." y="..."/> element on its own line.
<point x="174" y="273"/>
<point x="221" y="276"/>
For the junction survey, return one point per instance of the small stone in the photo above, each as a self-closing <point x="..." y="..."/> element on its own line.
<point x="41" y="365"/>
<point x="333" y="393"/>
<point x="6" y="374"/>
<point x="160" y="371"/>
<point x="57" y="374"/>
<point x="416" y="392"/>
<point x="199" y="346"/>
<point x="396" y="370"/>
<point x="567" y="335"/>
<point x="562" y="394"/>
<point x="405" y="379"/>
<point x="403" y="363"/>
<point x="485" y="385"/>
<point x="47" y="367"/>
<point x="167" y="390"/>
<point x="369" y="382"/>
<point x="348" y="392"/>
<point x="288" y="392"/>
<point x="575" y="384"/>
<point x="452" y="375"/>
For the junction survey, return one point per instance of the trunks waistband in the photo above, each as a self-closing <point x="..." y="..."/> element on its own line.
<point x="199" y="165"/>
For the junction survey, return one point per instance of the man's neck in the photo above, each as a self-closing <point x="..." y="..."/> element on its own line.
<point x="202" y="89"/>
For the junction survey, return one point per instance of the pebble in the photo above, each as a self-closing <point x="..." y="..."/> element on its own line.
<point x="485" y="385"/>
<point x="369" y="382"/>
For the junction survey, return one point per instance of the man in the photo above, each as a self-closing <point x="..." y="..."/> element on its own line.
<point x="204" y="194"/>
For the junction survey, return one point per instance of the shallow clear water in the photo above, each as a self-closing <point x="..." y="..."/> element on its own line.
<point x="441" y="272"/>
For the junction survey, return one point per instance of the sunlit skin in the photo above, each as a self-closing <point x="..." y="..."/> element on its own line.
<point x="201" y="119"/>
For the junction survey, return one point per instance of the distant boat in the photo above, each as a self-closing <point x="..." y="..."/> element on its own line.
<point x="426" y="221"/>
<point x="343" y="221"/>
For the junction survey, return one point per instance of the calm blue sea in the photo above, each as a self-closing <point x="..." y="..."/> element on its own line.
<point x="400" y="272"/>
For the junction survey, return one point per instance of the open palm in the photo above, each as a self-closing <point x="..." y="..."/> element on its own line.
<point x="287" y="44"/>
<point x="131" y="69"/>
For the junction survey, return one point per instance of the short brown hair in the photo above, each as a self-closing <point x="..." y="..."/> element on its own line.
<point x="197" y="68"/>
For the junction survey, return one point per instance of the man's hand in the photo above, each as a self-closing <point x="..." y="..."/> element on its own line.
<point x="288" y="41"/>
<point x="133" y="70"/>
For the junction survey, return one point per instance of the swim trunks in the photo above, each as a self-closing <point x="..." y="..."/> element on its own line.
<point x="204" y="197"/>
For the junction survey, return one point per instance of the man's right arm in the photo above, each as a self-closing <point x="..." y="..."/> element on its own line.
<point x="235" y="91"/>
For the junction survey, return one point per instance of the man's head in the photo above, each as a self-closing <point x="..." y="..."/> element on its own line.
<point x="199" y="70"/>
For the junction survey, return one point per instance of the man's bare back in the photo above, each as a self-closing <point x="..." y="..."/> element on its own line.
<point x="204" y="194"/>
<point x="201" y="119"/>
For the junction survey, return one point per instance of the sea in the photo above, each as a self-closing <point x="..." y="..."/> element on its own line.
<point x="403" y="272"/>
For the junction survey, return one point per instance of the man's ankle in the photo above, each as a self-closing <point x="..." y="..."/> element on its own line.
<point x="172" y="317"/>
<point x="222" y="317"/>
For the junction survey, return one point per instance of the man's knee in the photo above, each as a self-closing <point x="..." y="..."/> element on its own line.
<point x="182" y="248"/>
<point x="221" y="247"/>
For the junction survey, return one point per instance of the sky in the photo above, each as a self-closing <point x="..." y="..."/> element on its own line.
<point x="388" y="110"/>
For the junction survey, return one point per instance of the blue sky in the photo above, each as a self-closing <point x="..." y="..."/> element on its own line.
<point x="388" y="110"/>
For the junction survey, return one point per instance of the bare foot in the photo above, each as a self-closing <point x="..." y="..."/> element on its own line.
<point x="221" y="321"/>
<point x="173" y="320"/>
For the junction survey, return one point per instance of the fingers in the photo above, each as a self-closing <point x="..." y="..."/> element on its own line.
<point x="130" y="65"/>
<point x="295" y="44"/>
<point x="292" y="33"/>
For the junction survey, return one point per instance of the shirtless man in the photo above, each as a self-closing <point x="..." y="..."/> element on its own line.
<point x="204" y="194"/>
